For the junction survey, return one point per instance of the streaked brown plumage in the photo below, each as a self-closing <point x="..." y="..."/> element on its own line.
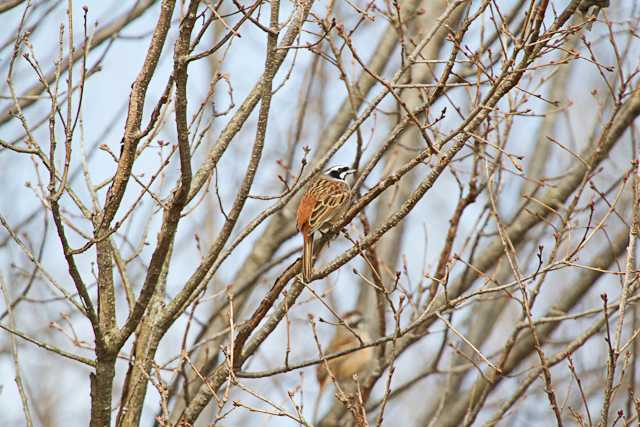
<point x="325" y="200"/>
<point x="344" y="367"/>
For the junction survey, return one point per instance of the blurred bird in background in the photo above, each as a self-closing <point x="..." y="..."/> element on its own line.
<point x="351" y="334"/>
<point x="591" y="8"/>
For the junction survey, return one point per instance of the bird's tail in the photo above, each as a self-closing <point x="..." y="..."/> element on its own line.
<point x="307" y="257"/>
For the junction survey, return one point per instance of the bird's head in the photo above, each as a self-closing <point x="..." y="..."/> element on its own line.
<point x="353" y="318"/>
<point x="339" y="172"/>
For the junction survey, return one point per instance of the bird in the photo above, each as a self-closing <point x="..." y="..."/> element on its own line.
<point x="350" y="334"/>
<point x="589" y="9"/>
<point x="323" y="203"/>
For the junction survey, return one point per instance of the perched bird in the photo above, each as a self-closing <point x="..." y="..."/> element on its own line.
<point x="590" y="9"/>
<point x="344" y="367"/>
<point x="323" y="203"/>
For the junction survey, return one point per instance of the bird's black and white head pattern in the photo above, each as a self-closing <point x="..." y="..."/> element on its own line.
<point x="339" y="172"/>
<point x="353" y="318"/>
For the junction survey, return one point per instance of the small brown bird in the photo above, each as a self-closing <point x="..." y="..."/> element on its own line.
<point x="324" y="201"/>
<point x="589" y="9"/>
<point x="344" y="367"/>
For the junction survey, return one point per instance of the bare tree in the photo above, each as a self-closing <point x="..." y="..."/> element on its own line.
<point x="153" y="155"/>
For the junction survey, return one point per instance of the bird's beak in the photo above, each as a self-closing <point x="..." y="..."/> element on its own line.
<point x="350" y="171"/>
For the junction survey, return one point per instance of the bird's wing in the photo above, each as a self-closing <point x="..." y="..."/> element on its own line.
<point x="341" y="341"/>
<point x="305" y="210"/>
<point x="330" y="196"/>
<point x="344" y="340"/>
